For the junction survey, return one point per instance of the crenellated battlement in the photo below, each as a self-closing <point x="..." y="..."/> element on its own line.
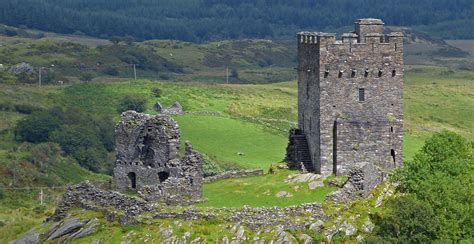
<point x="367" y="31"/>
<point x="349" y="38"/>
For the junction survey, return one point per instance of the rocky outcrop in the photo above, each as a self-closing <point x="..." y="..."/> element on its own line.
<point x="61" y="232"/>
<point x="234" y="174"/>
<point x="30" y="237"/>
<point x="22" y="68"/>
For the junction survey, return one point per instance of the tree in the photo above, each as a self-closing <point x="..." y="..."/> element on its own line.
<point x="436" y="194"/>
<point x="37" y="127"/>
<point x="132" y="103"/>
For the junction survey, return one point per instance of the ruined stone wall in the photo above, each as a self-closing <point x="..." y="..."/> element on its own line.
<point x="367" y="131"/>
<point x="148" y="159"/>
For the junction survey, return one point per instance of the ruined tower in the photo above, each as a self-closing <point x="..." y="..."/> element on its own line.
<point x="350" y="100"/>
<point x="148" y="158"/>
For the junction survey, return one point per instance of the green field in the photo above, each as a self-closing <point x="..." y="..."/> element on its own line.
<point x="231" y="140"/>
<point x="260" y="191"/>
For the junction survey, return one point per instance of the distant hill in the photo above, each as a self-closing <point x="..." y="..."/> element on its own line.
<point x="205" y="20"/>
<point x="69" y="58"/>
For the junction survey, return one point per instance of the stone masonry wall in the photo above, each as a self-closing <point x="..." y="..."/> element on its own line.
<point x="330" y="75"/>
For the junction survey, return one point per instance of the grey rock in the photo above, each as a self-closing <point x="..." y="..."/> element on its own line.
<point x="314" y="184"/>
<point x="22" y="68"/>
<point x="283" y="194"/>
<point x="158" y="108"/>
<point x="89" y="228"/>
<point x="316" y="226"/>
<point x="306" y="239"/>
<point x="240" y="233"/>
<point x="235" y="174"/>
<point x="300" y="178"/>
<point x="329" y="233"/>
<point x="360" y="238"/>
<point x="197" y="240"/>
<point x="368" y="226"/>
<point x="66" y="228"/>
<point x="348" y="229"/>
<point x="166" y="232"/>
<point x="225" y="240"/>
<point x="28" y="238"/>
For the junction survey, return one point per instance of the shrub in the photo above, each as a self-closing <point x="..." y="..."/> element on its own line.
<point x="87" y="76"/>
<point x="111" y="71"/>
<point x="156" y="92"/>
<point x="132" y="103"/>
<point x="210" y="168"/>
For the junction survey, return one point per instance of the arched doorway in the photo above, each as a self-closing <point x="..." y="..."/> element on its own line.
<point x="133" y="180"/>
<point x="392" y="153"/>
<point x="163" y="176"/>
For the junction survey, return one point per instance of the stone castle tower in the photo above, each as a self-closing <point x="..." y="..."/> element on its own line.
<point x="350" y="100"/>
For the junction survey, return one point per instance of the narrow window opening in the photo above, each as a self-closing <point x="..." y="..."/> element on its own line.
<point x="394" y="72"/>
<point x="340" y="73"/>
<point x="366" y="73"/>
<point x="391" y="129"/>
<point x="334" y="148"/>
<point x="191" y="181"/>
<point x="326" y="73"/>
<point x="163" y="176"/>
<point x="307" y="89"/>
<point x="133" y="180"/>
<point x="392" y="153"/>
<point x="353" y="74"/>
<point x="302" y="117"/>
<point x="380" y="73"/>
<point x="361" y="94"/>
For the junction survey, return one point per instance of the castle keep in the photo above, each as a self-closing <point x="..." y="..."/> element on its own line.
<point x="350" y="100"/>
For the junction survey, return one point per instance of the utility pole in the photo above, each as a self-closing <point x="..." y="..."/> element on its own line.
<point x="135" y="71"/>
<point x="39" y="75"/>
<point x="41" y="196"/>
<point x="227" y="74"/>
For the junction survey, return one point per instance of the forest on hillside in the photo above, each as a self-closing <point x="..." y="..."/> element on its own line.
<point x="204" y="20"/>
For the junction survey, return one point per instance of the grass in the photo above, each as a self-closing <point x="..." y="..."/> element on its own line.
<point x="260" y="191"/>
<point x="230" y="140"/>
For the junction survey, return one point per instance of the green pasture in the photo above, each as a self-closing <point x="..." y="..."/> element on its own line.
<point x="260" y="191"/>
